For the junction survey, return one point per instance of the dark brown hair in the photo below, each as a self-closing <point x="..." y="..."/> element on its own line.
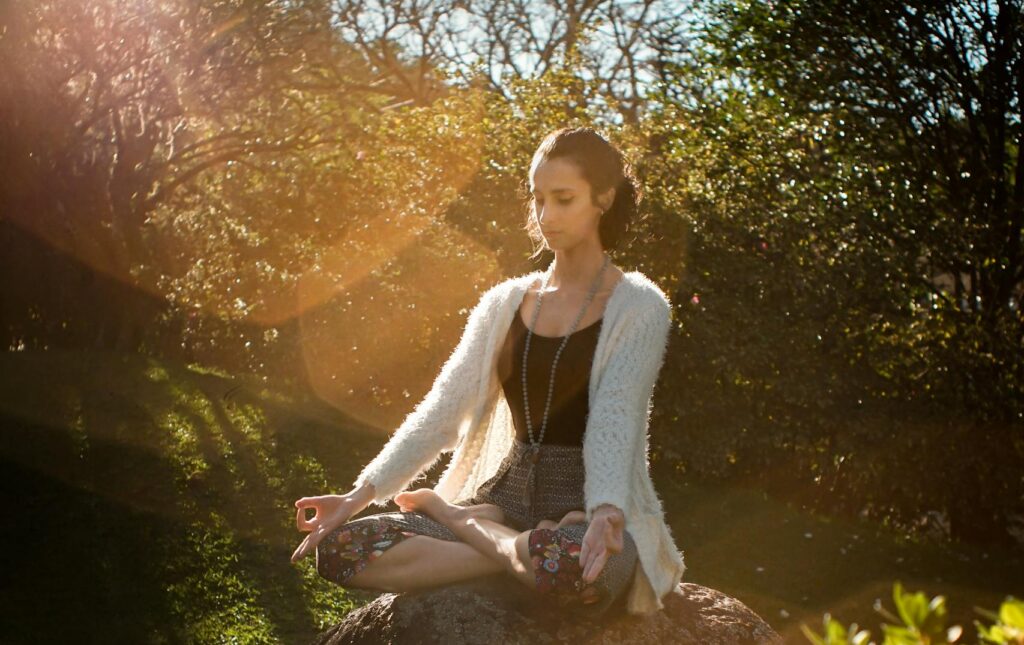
<point x="603" y="167"/>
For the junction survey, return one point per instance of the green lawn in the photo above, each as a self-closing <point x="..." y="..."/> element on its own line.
<point x="153" y="503"/>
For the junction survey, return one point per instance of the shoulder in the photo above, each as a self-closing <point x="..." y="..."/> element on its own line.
<point x="509" y="286"/>
<point x="500" y="292"/>
<point x="645" y="295"/>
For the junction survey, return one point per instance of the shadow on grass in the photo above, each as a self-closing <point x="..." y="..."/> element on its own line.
<point x="148" y="507"/>
<point x="153" y="503"/>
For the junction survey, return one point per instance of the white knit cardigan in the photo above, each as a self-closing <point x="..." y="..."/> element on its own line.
<point x="465" y="411"/>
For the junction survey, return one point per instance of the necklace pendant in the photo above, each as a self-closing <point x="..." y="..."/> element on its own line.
<point x="535" y="454"/>
<point x="530" y="485"/>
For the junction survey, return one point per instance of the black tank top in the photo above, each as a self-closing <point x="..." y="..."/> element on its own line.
<point x="570" y="401"/>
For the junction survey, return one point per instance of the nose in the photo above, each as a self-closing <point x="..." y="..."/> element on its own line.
<point x="543" y="219"/>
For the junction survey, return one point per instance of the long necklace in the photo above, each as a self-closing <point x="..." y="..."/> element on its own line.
<point x="534" y="449"/>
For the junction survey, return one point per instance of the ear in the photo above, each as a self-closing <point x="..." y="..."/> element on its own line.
<point x="606" y="199"/>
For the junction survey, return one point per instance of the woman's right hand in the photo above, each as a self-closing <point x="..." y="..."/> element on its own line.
<point x="331" y="512"/>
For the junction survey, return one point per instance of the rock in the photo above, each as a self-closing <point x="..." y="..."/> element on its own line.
<point x="493" y="610"/>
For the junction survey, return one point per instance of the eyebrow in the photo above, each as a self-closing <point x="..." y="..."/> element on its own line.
<point x="556" y="190"/>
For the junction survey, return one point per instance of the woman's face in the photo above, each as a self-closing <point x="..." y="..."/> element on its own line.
<point x="563" y="207"/>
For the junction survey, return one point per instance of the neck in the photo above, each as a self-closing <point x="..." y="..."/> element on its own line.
<point x="575" y="269"/>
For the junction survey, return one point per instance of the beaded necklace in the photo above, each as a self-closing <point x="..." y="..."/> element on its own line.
<point x="533" y="453"/>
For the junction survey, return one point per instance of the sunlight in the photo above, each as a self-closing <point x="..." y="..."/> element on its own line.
<point x="366" y="352"/>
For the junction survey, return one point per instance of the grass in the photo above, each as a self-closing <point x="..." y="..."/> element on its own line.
<point x="792" y="566"/>
<point x="153" y="503"/>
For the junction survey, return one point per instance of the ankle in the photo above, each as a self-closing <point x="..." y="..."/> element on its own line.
<point x="451" y="514"/>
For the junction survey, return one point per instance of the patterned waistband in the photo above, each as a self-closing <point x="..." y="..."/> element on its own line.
<point x="548" y="452"/>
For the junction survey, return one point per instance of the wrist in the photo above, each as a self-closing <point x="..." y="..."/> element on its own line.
<point x="364" y="494"/>
<point x="608" y="509"/>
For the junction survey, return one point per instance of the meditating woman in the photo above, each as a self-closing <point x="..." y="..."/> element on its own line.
<point x="545" y="405"/>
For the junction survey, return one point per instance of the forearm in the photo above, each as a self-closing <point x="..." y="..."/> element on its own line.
<point x="617" y="425"/>
<point x="407" y="454"/>
<point x="363" y="496"/>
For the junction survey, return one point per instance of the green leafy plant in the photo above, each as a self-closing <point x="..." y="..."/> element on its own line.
<point x="923" y="622"/>
<point x="1009" y="623"/>
<point x="836" y="634"/>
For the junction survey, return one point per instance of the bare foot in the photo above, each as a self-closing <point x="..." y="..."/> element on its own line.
<point x="425" y="500"/>
<point x="572" y="517"/>
<point x="484" y="512"/>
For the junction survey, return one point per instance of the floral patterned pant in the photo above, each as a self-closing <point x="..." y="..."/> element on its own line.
<point x="558" y="576"/>
<point x="353" y="546"/>
<point x="349" y="550"/>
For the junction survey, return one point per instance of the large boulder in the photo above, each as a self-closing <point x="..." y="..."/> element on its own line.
<point x="496" y="610"/>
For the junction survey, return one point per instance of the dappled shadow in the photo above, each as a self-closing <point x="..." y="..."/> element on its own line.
<point x="159" y="500"/>
<point x="157" y="505"/>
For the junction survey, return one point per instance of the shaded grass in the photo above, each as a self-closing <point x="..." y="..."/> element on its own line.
<point x="791" y="566"/>
<point x="153" y="503"/>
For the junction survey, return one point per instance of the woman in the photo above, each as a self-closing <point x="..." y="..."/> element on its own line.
<point x="545" y="404"/>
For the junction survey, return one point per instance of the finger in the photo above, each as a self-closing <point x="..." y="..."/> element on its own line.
<point x="309" y="543"/>
<point x="314" y="538"/>
<point x="300" y="552"/>
<point x="301" y="523"/>
<point x="614" y="542"/>
<point x="595" y="567"/>
<point x="613" y="537"/>
<point x="593" y="550"/>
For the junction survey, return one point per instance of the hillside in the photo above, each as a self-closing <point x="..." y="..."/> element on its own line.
<point x="153" y="503"/>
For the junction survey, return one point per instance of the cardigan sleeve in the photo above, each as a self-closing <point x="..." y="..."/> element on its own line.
<point x="617" y="427"/>
<point x="434" y="424"/>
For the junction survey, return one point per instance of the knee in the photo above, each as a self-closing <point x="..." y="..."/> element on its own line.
<point x="554" y="561"/>
<point x="349" y="556"/>
<point x="330" y="562"/>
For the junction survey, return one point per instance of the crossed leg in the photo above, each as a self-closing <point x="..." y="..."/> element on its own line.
<point x="423" y="562"/>
<point x="480" y="526"/>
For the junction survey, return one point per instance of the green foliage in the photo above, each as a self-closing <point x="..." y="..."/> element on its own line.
<point x="833" y="344"/>
<point x="836" y="634"/>
<point x="1009" y="623"/>
<point x="234" y="184"/>
<point x="923" y="622"/>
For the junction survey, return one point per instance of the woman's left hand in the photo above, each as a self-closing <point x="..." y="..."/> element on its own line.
<point x="602" y="540"/>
